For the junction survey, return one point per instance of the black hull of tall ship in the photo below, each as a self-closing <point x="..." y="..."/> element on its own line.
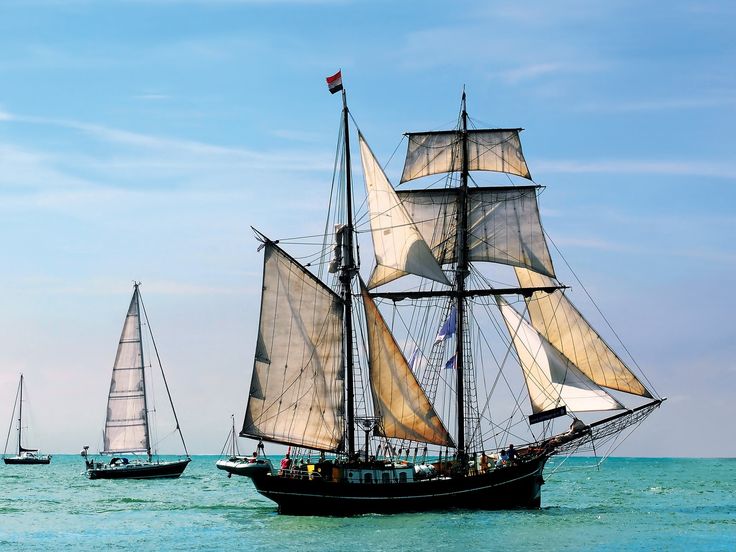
<point x="27" y="461"/>
<point x="144" y="470"/>
<point x="510" y="487"/>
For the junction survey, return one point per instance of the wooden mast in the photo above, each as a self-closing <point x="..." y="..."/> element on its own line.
<point x="462" y="272"/>
<point x="346" y="276"/>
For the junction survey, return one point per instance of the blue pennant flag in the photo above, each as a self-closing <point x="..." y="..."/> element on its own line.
<point x="448" y="328"/>
<point x="451" y="364"/>
<point x="416" y="356"/>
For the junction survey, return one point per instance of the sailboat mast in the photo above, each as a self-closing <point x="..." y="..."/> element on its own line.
<point x="143" y="370"/>
<point x="20" y="414"/>
<point x="462" y="272"/>
<point x="346" y="276"/>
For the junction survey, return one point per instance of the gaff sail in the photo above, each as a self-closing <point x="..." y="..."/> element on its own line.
<point x="296" y="395"/>
<point x="398" y="399"/>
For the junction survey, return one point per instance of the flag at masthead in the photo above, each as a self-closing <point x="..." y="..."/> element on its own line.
<point x="334" y="83"/>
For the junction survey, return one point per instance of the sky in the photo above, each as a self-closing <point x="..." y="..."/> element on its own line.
<point x="140" y="140"/>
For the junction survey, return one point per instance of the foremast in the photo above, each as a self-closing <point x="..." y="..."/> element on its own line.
<point x="347" y="271"/>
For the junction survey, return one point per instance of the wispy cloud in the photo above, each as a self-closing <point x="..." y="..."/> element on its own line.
<point x="663" y="104"/>
<point x="152" y="97"/>
<point x="634" y="166"/>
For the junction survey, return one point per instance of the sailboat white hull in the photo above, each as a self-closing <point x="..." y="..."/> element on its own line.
<point x="137" y="470"/>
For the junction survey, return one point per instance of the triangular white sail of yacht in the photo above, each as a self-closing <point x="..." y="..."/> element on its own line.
<point x="126" y="425"/>
<point x="557" y="319"/>
<point x="503" y="225"/>
<point x="398" y="245"/>
<point x="552" y="380"/>
<point x="441" y="151"/>
<point x="296" y="394"/>
<point x="398" y="399"/>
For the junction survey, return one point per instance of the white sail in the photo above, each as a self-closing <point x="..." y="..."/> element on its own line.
<point x="551" y="379"/>
<point x="296" y="394"/>
<point x="557" y="319"/>
<point x="440" y="152"/>
<point x="398" y="399"/>
<point x="126" y="427"/>
<point x="399" y="247"/>
<point x="503" y="225"/>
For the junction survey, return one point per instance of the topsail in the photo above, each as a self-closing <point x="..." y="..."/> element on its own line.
<point x="441" y="151"/>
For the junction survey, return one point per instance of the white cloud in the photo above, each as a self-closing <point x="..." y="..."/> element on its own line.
<point x="635" y="166"/>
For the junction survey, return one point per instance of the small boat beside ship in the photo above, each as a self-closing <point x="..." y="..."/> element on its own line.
<point x="127" y="424"/>
<point x="236" y="464"/>
<point x="23" y="455"/>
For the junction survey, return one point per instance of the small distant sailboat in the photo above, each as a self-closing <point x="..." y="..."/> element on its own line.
<point x="24" y="455"/>
<point x="243" y="465"/>
<point x="127" y="423"/>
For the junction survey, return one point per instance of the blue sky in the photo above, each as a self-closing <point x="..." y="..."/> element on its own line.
<point x="141" y="140"/>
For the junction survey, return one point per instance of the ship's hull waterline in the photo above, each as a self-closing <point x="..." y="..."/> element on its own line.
<point x="511" y="487"/>
<point x="158" y="470"/>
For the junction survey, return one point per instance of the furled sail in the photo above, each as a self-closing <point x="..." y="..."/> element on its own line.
<point x="126" y="427"/>
<point x="557" y="319"/>
<point x="503" y="225"/>
<point x="398" y="245"/>
<point x="440" y="152"/>
<point x="296" y="394"/>
<point x="398" y="399"/>
<point x="551" y="379"/>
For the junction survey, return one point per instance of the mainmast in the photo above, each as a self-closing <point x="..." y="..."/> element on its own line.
<point x="346" y="276"/>
<point x="462" y="272"/>
<point x="20" y="415"/>
<point x="143" y="369"/>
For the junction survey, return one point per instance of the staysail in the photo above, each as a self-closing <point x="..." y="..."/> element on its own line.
<point x="557" y="319"/>
<point x="441" y="151"/>
<point x="552" y="380"/>
<point x="398" y="245"/>
<point x="398" y="399"/>
<point x="296" y="395"/>
<point x="126" y="425"/>
<point x="503" y="225"/>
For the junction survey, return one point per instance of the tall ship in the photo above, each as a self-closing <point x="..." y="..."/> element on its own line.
<point x="127" y="437"/>
<point x="451" y="376"/>
<point x="23" y="454"/>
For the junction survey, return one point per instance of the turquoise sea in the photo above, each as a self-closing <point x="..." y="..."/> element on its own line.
<point x="627" y="504"/>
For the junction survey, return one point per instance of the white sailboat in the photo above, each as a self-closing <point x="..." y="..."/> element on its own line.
<point x="127" y="424"/>
<point x="23" y="455"/>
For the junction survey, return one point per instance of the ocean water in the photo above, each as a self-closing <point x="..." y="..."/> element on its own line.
<point x="627" y="504"/>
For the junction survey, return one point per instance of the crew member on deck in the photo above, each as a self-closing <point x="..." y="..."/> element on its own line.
<point x="285" y="464"/>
